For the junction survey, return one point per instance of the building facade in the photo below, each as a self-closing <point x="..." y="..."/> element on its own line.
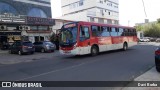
<point x="100" y="11"/>
<point x="33" y="8"/>
<point x="25" y="20"/>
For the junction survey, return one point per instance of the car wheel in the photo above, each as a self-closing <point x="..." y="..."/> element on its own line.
<point x="94" y="51"/>
<point x="19" y="52"/>
<point x="42" y="50"/>
<point x="125" y="46"/>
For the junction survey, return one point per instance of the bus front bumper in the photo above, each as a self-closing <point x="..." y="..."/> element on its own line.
<point x="70" y="52"/>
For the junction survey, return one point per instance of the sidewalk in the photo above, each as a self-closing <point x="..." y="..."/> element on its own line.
<point x="3" y="51"/>
<point x="6" y="58"/>
<point x="151" y="75"/>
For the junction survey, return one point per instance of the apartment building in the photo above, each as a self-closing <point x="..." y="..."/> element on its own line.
<point x="100" y="11"/>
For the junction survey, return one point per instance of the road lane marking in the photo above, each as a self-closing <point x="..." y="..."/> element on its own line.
<point x="42" y="74"/>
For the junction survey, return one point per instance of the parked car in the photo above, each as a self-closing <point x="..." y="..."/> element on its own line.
<point x="158" y="40"/>
<point x="153" y="39"/>
<point x="157" y="59"/>
<point x="21" y="47"/>
<point x="144" y="40"/>
<point x="44" y="46"/>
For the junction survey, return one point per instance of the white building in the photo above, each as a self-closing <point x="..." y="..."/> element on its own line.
<point x="100" y="11"/>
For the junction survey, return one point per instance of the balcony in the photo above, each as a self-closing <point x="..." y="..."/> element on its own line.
<point x="102" y="15"/>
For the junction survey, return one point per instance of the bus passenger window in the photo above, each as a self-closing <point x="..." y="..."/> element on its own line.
<point x="120" y="33"/>
<point x="129" y="32"/>
<point x="105" y="32"/>
<point x="113" y="32"/>
<point x="126" y="32"/>
<point x="96" y="31"/>
<point x="84" y="33"/>
<point x="135" y="33"/>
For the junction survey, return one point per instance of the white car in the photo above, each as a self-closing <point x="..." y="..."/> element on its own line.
<point x="144" y="40"/>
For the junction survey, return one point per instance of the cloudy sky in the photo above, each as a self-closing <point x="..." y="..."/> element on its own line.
<point x="129" y="10"/>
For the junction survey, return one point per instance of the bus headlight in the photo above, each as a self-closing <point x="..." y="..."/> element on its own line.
<point x="75" y="46"/>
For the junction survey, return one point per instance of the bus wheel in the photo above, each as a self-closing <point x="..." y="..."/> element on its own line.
<point x="94" y="51"/>
<point x="125" y="46"/>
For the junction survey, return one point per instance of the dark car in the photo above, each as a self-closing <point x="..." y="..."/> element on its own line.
<point x="44" y="46"/>
<point x="21" y="47"/>
<point x="157" y="59"/>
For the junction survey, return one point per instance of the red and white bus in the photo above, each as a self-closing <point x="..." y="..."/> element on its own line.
<point x="80" y="38"/>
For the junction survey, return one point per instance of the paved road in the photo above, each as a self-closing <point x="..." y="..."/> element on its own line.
<point x="109" y="66"/>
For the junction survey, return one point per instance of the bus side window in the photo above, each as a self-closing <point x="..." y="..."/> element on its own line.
<point x="135" y="33"/>
<point x="120" y="33"/>
<point x="126" y="32"/>
<point x="129" y="32"/>
<point x="96" y="31"/>
<point x="113" y="32"/>
<point x="84" y="33"/>
<point x="105" y="32"/>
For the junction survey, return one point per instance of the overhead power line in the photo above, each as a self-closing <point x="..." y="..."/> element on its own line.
<point x="144" y="8"/>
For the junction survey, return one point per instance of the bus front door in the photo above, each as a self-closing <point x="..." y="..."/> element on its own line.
<point x="85" y="39"/>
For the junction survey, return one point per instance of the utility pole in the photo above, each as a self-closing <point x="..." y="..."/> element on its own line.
<point x="128" y="22"/>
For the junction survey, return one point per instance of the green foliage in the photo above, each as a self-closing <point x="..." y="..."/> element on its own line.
<point x="150" y="29"/>
<point x="158" y="20"/>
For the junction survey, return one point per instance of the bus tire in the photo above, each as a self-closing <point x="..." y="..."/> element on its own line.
<point x="94" y="50"/>
<point x="125" y="46"/>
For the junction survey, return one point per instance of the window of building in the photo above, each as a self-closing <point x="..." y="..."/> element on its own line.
<point x="42" y="27"/>
<point x="81" y="2"/>
<point x="100" y="20"/>
<point x="101" y="1"/>
<point x="109" y="13"/>
<point x="6" y="8"/>
<point x="91" y="19"/>
<point x="33" y="27"/>
<point x="109" y="21"/>
<point x="36" y="12"/>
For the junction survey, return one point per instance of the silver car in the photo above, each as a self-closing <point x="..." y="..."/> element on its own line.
<point x="44" y="46"/>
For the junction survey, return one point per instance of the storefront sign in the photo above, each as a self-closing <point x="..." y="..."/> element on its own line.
<point x="40" y="21"/>
<point x="9" y="33"/>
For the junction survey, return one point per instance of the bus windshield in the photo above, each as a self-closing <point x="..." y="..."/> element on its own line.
<point x="68" y="36"/>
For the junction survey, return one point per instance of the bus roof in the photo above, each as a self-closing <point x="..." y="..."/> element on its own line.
<point x="110" y="25"/>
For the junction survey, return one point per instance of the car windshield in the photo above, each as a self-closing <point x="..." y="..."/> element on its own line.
<point x="68" y="35"/>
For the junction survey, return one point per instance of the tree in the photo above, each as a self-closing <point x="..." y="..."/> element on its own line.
<point x="158" y="20"/>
